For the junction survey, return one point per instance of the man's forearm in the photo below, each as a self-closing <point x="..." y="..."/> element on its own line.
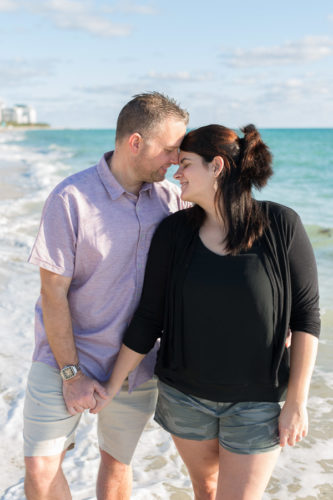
<point x="58" y="327"/>
<point x="79" y="390"/>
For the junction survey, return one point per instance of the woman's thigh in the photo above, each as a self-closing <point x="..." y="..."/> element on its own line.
<point x="244" y="477"/>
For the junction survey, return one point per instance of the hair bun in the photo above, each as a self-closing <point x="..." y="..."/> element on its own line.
<point x="256" y="159"/>
<point x="248" y="129"/>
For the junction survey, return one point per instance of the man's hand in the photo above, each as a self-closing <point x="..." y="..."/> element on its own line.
<point x="80" y="393"/>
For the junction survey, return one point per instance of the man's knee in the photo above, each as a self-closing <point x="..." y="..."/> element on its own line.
<point x="41" y="471"/>
<point x="112" y="464"/>
<point x="114" y="478"/>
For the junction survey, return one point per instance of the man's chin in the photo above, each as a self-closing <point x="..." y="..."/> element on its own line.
<point x="158" y="178"/>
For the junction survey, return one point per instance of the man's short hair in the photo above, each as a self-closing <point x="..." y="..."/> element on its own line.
<point x="146" y="111"/>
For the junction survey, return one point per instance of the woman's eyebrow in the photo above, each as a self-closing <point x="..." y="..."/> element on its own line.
<point x="183" y="159"/>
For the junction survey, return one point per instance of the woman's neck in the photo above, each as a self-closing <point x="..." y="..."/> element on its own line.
<point x="212" y="218"/>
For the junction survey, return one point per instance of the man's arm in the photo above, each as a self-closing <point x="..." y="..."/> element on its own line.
<point x="79" y="391"/>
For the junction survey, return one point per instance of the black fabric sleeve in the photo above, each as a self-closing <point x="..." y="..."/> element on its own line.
<point x="305" y="316"/>
<point x="147" y="323"/>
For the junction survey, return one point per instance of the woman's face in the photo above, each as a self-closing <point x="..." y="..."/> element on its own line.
<point x="197" y="179"/>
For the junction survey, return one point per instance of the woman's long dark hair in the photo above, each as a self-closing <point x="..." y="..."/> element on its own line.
<point x="247" y="163"/>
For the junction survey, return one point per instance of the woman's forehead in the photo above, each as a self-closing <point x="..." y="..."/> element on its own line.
<point x="187" y="154"/>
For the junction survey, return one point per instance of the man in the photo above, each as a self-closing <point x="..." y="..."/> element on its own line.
<point x="91" y="249"/>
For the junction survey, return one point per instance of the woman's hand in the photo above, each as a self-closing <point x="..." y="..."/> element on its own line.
<point x="126" y="362"/>
<point x="101" y="402"/>
<point x="293" y="423"/>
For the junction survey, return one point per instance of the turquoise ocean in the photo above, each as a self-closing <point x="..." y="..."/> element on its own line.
<point x="31" y="163"/>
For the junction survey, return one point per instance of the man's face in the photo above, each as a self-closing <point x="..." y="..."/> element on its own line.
<point x="160" y="150"/>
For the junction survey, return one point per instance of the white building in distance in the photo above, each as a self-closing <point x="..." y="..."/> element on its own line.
<point x="20" y="114"/>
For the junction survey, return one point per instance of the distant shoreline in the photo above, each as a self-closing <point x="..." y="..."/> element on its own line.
<point x="25" y="127"/>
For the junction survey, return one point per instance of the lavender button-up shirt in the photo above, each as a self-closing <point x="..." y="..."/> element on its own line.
<point x="98" y="234"/>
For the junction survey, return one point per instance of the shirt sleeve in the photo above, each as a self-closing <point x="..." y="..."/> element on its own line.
<point x="147" y="323"/>
<point x="54" y="247"/>
<point x="305" y="315"/>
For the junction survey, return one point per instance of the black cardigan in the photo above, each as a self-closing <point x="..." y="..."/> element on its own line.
<point x="289" y="261"/>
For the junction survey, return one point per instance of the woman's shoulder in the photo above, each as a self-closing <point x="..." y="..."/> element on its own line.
<point x="180" y="218"/>
<point x="175" y="227"/>
<point x="278" y="212"/>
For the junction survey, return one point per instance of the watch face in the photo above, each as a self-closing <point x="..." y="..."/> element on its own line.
<point x="68" y="372"/>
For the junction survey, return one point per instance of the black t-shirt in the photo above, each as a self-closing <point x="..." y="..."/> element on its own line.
<point x="228" y="320"/>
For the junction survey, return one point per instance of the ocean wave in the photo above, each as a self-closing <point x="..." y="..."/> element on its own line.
<point x="320" y="236"/>
<point x="11" y="136"/>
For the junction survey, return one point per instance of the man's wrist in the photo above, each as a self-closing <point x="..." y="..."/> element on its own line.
<point x="70" y="371"/>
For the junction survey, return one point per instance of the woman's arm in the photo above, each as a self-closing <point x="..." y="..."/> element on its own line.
<point x="127" y="361"/>
<point x="305" y="327"/>
<point x="147" y="323"/>
<point x="293" y="423"/>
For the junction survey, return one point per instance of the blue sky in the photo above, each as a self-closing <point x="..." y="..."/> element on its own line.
<point x="79" y="61"/>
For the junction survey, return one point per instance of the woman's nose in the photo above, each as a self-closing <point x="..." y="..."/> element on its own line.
<point x="178" y="173"/>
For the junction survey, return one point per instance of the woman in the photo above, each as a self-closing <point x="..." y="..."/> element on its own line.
<point x="224" y="281"/>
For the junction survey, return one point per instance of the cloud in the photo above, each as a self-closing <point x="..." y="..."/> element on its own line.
<point x="83" y="15"/>
<point x="295" y="90"/>
<point x="144" y="84"/>
<point x="180" y="76"/>
<point x="8" y="5"/>
<point x="131" y="8"/>
<point x="139" y="9"/>
<point x="309" y="49"/>
<point x="21" y="72"/>
<point x="71" y="14"/>
<point x="122" y="89"/>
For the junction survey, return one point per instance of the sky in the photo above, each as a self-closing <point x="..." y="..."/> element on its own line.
<point x="79" y="61"/>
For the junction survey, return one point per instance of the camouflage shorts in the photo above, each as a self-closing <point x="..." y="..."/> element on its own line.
<point x="247" y="427"/>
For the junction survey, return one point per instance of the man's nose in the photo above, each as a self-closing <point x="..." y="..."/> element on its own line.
<point x="174" y="157"/>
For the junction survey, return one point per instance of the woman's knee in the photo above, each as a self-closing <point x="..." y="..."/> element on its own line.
<point x="205" y="488"/>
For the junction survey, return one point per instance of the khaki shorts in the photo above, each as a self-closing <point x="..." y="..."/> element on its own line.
<point x="49" y="429"/>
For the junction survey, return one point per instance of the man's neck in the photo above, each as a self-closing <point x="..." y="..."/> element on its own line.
<point x="122" y="174"/>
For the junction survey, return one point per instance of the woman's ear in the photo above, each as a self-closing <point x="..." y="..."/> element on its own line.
<point x="217" y="164"/>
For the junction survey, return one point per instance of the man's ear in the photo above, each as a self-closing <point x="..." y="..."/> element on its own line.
<point x="135" y="142"/>
<point x="217" y="164"/>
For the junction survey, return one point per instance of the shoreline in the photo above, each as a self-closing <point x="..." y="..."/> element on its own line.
<point x="25" y="128"/>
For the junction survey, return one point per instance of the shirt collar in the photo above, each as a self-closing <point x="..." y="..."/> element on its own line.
<point x="113" y="187"/>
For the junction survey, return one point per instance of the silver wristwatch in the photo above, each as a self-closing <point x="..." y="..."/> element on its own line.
<point x="69" y="371"/>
